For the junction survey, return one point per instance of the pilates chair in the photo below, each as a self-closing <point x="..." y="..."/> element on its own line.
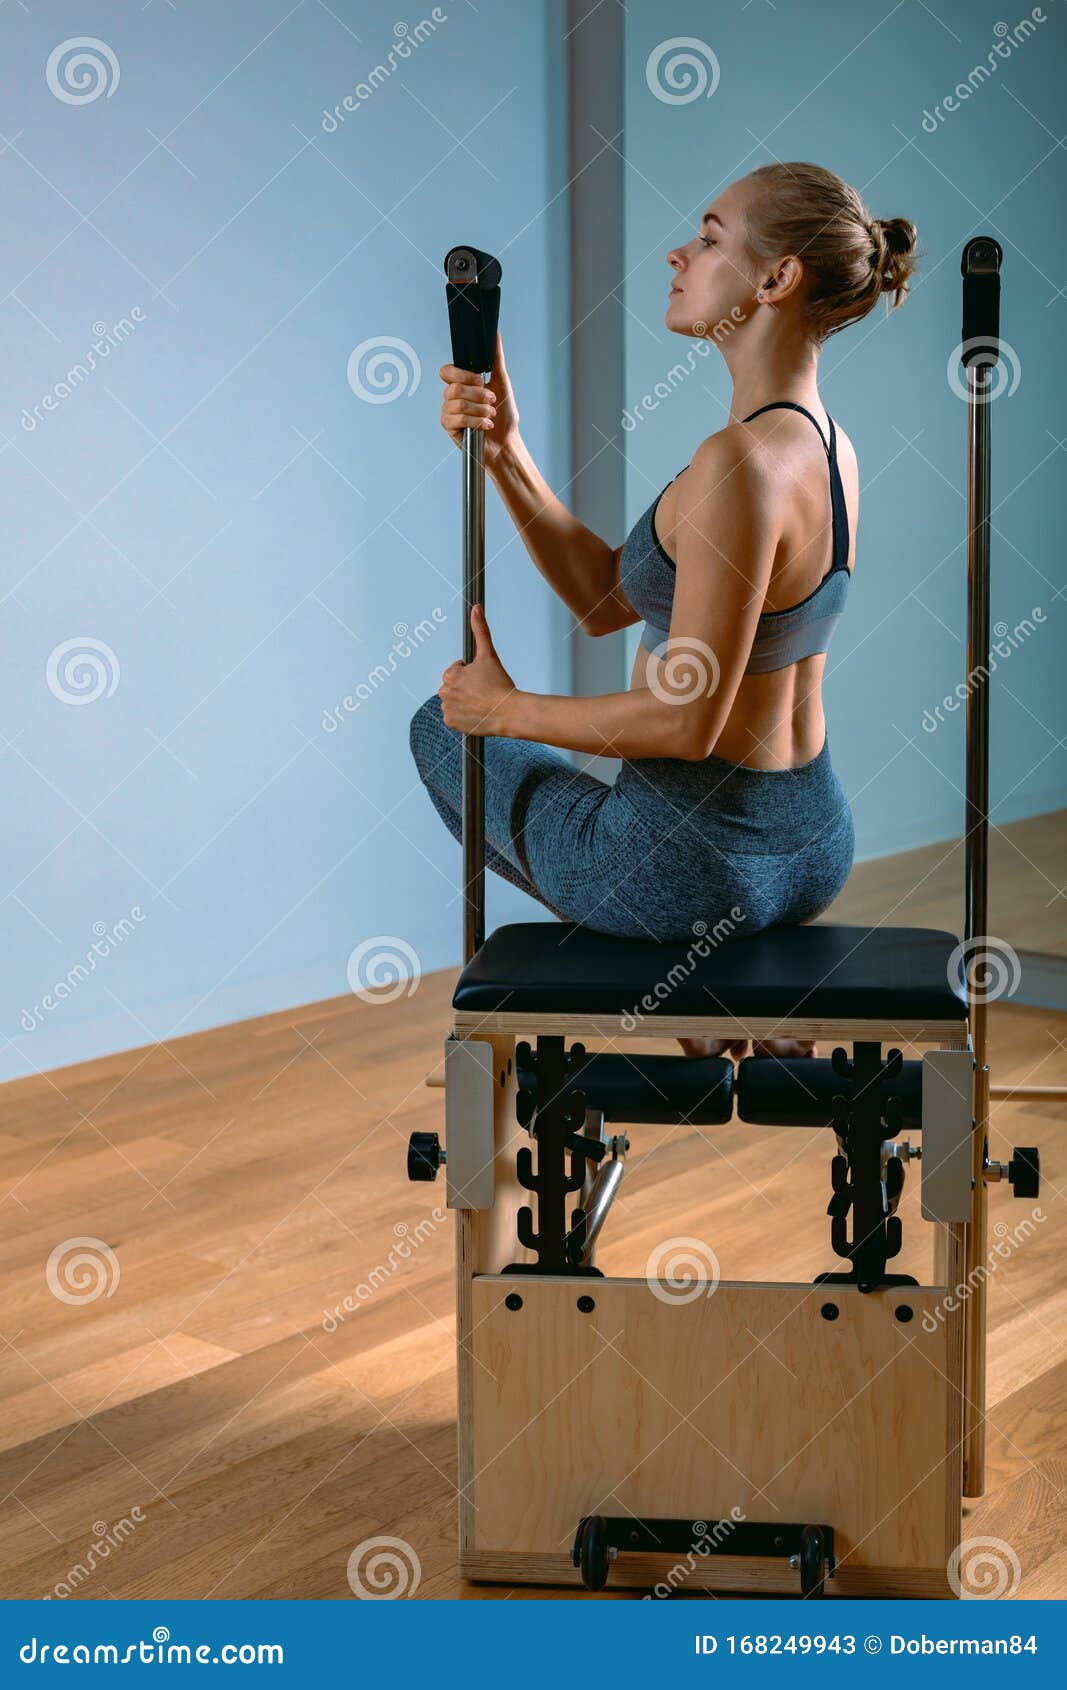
<point x="609" y="1426"/>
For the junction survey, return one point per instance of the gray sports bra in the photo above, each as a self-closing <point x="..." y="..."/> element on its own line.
<point x="646" y="575"/>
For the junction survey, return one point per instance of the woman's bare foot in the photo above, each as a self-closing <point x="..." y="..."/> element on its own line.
<point x="784" y="1047"/>
<point x="713" y="1047"/>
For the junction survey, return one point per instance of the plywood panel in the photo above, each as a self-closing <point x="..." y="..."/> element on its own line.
<point x="743" y="1399"/>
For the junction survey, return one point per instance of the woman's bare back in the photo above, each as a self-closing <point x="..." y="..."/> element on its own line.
<point x="777" y="718"/>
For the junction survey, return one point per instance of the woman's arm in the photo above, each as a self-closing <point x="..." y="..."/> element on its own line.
<point x="577" y="564"/>
<point x="726" y="540"/>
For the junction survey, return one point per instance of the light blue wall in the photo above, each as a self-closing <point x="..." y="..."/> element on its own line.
<point x="846" y="83"/>
<point x="215" y="504"/>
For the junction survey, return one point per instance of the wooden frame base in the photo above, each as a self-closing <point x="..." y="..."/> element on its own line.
<point x="747" y="1398"/>
<point x="730" y="1401"/>
<point x="749" y="1577"/>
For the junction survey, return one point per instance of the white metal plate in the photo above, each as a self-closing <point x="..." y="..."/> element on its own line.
<point x="947" y="1128"/>
<point x="469" y="1095"/>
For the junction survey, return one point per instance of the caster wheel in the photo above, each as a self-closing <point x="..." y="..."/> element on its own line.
<point x="590" y="1552"/>
<point x="812" y="1562"/>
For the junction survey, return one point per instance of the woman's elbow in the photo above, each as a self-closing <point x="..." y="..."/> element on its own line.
<point x="696" y="751"/>
<point x="676" y="731"/>
<point x="697" y="739"/>
<point x="592" y="623"/>
<point x="602" y="619"/>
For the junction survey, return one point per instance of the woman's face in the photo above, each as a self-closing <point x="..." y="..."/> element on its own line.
<point x="713" y="276"/>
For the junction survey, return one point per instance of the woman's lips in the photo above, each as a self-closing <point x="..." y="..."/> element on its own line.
<point x="675" y="290"/>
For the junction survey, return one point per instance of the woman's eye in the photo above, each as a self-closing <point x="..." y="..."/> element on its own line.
<point x="706" y="240"/>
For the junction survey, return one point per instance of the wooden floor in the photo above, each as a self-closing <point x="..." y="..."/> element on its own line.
<point x="924" y="888"/>
<point x="219" y="1423"/>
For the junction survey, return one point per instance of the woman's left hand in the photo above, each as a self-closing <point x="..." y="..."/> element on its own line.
<point x="473" y="695"/>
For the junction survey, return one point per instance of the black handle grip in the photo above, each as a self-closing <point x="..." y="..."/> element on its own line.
<point x="980" y="265"/>
<point x="473" y="289"/>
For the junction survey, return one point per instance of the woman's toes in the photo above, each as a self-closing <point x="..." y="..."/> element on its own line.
<point x="699" y="1048"/>
<point x="785" y="1047"/>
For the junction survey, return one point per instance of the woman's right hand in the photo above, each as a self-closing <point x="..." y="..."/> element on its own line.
<point x="468" y="402"/>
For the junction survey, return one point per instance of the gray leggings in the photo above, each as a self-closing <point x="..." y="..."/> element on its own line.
<point x="670" y="849"/>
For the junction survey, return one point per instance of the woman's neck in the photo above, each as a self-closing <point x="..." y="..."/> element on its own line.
<point x="774" y="364"/>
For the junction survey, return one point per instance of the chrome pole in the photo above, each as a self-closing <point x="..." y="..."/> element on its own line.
<point x="473" y="744"/>
<point x="981" y="340"/>
<point x="473" y="293"/>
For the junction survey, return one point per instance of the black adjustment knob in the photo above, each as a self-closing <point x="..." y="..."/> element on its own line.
<point x="424" y="1156"/>
<point x="1024" y="1171"/>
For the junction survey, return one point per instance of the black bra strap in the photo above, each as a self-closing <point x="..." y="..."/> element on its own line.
<point x="838" y="507"/>
<point x="788" y="405"/>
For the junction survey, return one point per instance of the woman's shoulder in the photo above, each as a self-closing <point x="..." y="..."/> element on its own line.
<point x="735" y="456"/>
<point x="757" y="444"/>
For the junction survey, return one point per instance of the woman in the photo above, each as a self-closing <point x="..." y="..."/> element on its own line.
<point x="726" y="810"/>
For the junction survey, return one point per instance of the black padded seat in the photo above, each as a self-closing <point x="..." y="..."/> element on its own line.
<point x="815" y="972"/>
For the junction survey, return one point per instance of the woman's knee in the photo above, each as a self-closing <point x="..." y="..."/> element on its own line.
<point x="427" y="734"/>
